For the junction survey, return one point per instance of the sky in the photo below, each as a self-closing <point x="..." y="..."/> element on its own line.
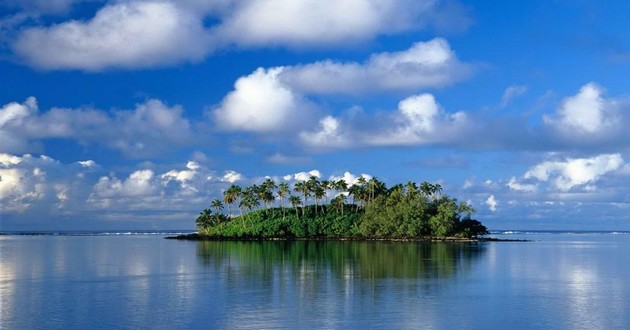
<point x="135" y="114"/>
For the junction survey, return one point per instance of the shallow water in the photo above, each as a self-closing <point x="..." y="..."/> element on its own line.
<point x="559" y="280"/>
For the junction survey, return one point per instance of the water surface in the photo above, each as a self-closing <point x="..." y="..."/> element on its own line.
<point x="559" y="280"/>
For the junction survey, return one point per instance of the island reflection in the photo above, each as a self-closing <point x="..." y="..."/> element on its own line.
<point x="360" y="260"/>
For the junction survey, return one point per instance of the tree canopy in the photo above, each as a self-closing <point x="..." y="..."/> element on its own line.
<point x="366" y="208"/>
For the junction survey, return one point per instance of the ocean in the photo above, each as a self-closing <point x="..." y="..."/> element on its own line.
<point x="139" y="280"/>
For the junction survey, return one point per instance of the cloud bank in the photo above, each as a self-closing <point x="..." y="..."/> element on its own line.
<point x="148" y="33"/>
<point x="134" y="132"/>
<point x="136" y="34"/>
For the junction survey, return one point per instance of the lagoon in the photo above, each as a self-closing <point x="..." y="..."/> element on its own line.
<point x="559" y="280"/>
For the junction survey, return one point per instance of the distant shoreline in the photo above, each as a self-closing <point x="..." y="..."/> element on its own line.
<point x="197" y="237"/>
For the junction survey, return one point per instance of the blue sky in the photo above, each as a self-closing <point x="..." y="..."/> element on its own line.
<point x="135" y="114"/>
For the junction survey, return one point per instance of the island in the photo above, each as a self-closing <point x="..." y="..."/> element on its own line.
<point x="364" y="210"/>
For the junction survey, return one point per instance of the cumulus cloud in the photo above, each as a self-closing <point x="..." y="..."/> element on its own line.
<point x="315" y="22"/>
<point x="419" y="120"/>
<point x="261" y="103"/>
<point x="131" y="34"/>
<point x="492" y="203"/>
<point x="231" y="176"/>
<point x="182" y="176"/>
<point x="350" y="178"/>
<point x="149" y="33"/>
<point x="134" y="132"/>
<point x="139" y="183"/>
<point x="328" y="135"/>
<point x="424" y="64"/>
<point x="34" y="182"/>
<point x="524" y="187"/>
<point x="188" y="188"/>
<point x="275" y="99"/>
<point x="13" y="115"/>
<point x="587" y="112"/>
<point x="570" y="173"/>
<point x="303" y="176"/>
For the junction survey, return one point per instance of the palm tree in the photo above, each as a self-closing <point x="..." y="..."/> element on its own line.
<point x="426" y="188"/>
<point x="283" y="192"/>
<point x="313" y="185"/>
<point x="217" y="205"/>
<point x="338" y="202"/>
<point x="231" y="195"/>
<point x="319" y="193"/>
<point x="204" y="220"/>
<point x="359" y="195"/>
<point x="303" y="188"/>
<point x="430" y="190"/>
<point x="341" y="186"/>
<point x="268" y="197"/>
<point x="249" y="200"/>
<point x="326" y="185"/>
<point x="295" y="202"/>
<point x="437" y="190"/>
<point x="412" y="189"/>
<point x="264" y="194"/>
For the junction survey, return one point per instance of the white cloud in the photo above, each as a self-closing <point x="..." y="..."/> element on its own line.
<point x="274" y="100"/>
<point x="232" y="176"/>
<point x="184" y="175"/>
<point x="139" y="183"/>
<point x="575" y="172"/>
<point x="328" y="135"/>
<point x="13" y="115"/>
<point x="510" y="93"/>
<point x="87" y="163"/>
<point x="147" y="33"/>
<point x="131" y="34"/>
<point x="134" y="132"/>
<point x="261" y="103"/>
<point x="587" y="112"/>
<point x="28" y="182"/>
<point x="304" y="176"/>
<point x="425" y="64"/>
<point x="326" y="22"/>
<point x="138" y="131"/>
<point x="350" y="178"/>
<point x="7" y="160"/>
<point x="419" y="120"/>
<point x="186" y="189"/>
<point x="517" y="186"/>
<point x="492" y="203"/>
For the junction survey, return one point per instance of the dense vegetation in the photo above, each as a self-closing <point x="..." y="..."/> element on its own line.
<point x="366" y="209"/>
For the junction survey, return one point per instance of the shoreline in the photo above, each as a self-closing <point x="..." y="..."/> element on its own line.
<point x="197" y="237"/>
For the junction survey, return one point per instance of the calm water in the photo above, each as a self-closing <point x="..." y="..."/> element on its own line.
<point x="561" y="281"/>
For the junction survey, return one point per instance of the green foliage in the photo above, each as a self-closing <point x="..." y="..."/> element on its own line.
<point x="396" y="215"/>
<point x="472" y="228"/>
<point x="207" y="220"/>
<point x="262" y="223"/>
<point x="402" y="211"/>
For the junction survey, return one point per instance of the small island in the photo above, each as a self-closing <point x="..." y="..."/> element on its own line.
<point x="364" y="210"/>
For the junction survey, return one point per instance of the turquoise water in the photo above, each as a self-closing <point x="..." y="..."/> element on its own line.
<point x="124" y="281"/>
